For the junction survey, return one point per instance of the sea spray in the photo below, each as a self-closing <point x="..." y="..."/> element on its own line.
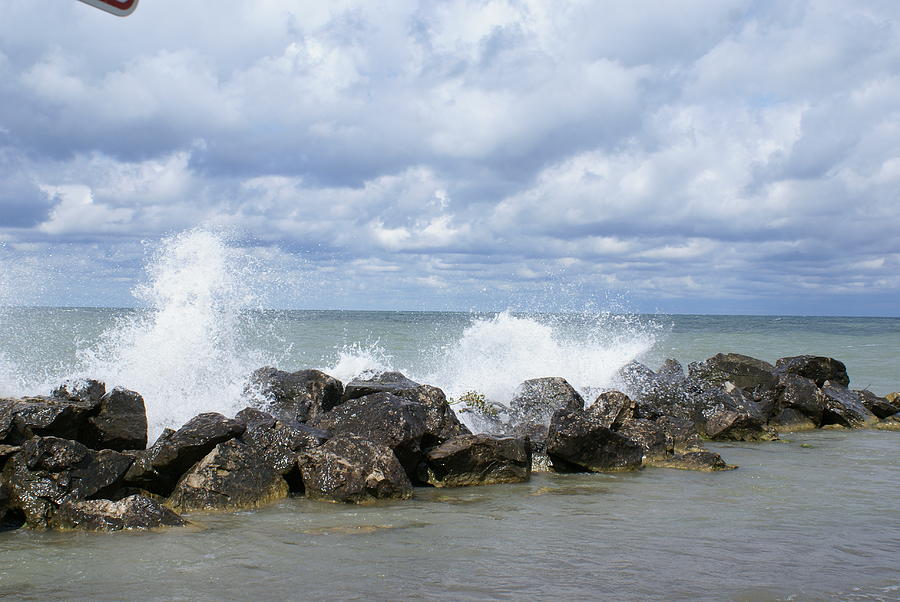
<point x="495" y="354"/>
<point x="360" y="360"/>
<point x="187" y="352"/>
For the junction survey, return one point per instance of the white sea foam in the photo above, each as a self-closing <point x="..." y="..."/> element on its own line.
<point x="360" y="361"/>
<point x="185" y="354"/>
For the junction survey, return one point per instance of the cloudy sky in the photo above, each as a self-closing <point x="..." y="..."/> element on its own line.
<point x="723" y="156"/>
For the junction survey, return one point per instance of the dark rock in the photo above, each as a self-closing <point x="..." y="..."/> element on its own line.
<point x="279" y="442"/>
<point x="816" y="368"/>
<point x="477" y="460"/>
<point x="649" y="435"/>
<point x="49" y="471"/>
<point x="744" y="371"/>
<point x="734" y="416"/>
<point x="22" y="419"/>
<point x="537" y="399"/>
<point x="891" y="423"/>
<point x="844" y="407"/>
<point x="233" y="476"/>
<point x="879" y="406"/>
<point x="349" y="468"/>
<point x="81" y="389"/>
<point x="612" y="409"/>
<point x="536" y="434"/>
<point x="801" y="394"/>
<point x="696" y="460"/>
<point x="301" y="396"/>
<point x="578" y="441"/>
<point x="120" y="424"/>
<point x="159" y="468"/>
<point x="681" y="434"/>
<point x="385" y="382"/>
<point x="791" y="420"/>
<point x="134" y="512"/>
<point x="385" y="419"/>
<point x="671" y="370"/>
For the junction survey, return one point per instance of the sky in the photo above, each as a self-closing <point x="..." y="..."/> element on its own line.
<point x="721" y="156"/>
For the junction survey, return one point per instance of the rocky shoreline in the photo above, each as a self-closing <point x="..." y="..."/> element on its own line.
<point x="78" y="459"/>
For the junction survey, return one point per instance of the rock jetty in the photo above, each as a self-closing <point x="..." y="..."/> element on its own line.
<point x="78" y="458"/>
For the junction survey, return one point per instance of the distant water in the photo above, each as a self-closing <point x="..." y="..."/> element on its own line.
<point x="819" y="521"/>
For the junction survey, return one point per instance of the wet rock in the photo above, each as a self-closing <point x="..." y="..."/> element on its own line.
<point x="233" y="476"/>
<point x="671" y="370"/>
<point x="696" y="460"/>
<point x="134" y="512"/>
<point x="612" y="409"/>
<point x="81" y="389"/>
<point x="385" y="419"/>
<point x="577" y="441"/>
<point x="891" y="423"/>
<point x="844" y="407"/>
<point x="743" y="371"/>
<point x="49" y="471"/>
<point x="477" y="460"/>
<point x="537" y="399"/>
<point x="893" y="397"/>
<point x="349" y="468"/>
<point x="120" y="422"/>
<point x="880" y="406"/>
<point x="791" y="420"/>
<point x="649" y="435"/>
<point x="536" y="434"/>
<point x="22" y="419"/>
<point x="385" y="382"/>
<point x="159" y="468"/>
<point x="681" y="434"/>
<point x="734" y="416"/>
<point x="814" y="367"/>
<point x="301" y="396"/>
<point x="279" y="442"/>
<point x="800" y="394"/>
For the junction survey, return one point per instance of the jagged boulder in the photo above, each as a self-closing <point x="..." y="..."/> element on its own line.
<point x="279" y="442"/>
<point x="844" y="407"/>
<point x="731" y="415"/>
<point x="649" y="435"/>
<point x="791" y="420"/>
<point x="879" y="406"/>
<point x="672" y="370"/>
<point x="743" y="371"/>
<point x="80" y="389"/>
<point x="681" y="434"/>
<point x="233" y="476"/>
<point x="159" y="468"/>
<point x="384" y="382"/>
<point x="801" y="395"/>
<point x="891" y="423"/>
<point x="696" y="460"/>
<point x="385" y="419"/>
<point x="134" y="512"/>
<point x="349" y="468"/>
<point x="537" y="399"/>
<point x="49" y="471"/>
<point x="612" y="409"/>
<point x="477" y="460"/>
<point x="120" y="422"/>
<point x="577" y="441"/>
<point x="814" y="367"/>
<point x="22" y="419"/>
<point x="301" y="396"/>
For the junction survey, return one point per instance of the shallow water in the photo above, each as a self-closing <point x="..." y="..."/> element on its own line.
<point x="812" y="518"/>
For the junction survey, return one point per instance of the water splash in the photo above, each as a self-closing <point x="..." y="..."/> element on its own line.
<point x="495" y="354"/>
<point x="360" y="361"/>
<point x="188" y="352"/>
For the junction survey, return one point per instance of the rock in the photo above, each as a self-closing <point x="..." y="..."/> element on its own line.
<point x="134" y="512"/>
<point x="49" y="471"/>
<point x="893" y="397"/>
<point x="844" y="407"/>
<point x="578" y="441"/>
<point x="816" y="368"/>
<point x="879" y="406"/>
<point x="536" y="434"/>
<point x="744" y="371"/>
<point x="279" y="442"/>
<point x="233" y="476"/>
<point x="681" y="434"/>
<point x="612" y="409"/>
<point x="734" y="416"/>
<point x="671" y="370"/>
<point x="537" y="399"/>
<point x="120" y="424"/>
<point x="301" y="396"/>
<point x="81" y="389"/>
<point x="891" y="423"/>
<point x="385" y="419"/>
<point x="159" y="468"/>
<point x="696" y="460"/>
<point x="385" y="382"/>
<point x="791" y="420"/>
<point x="650" y="436"/>
<point x="22" y="419"/>
<point x="441" y="421"/>
<point x="477" y="460"/>
<point x="800" y="394"/>
<point x="349" y="468"/>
